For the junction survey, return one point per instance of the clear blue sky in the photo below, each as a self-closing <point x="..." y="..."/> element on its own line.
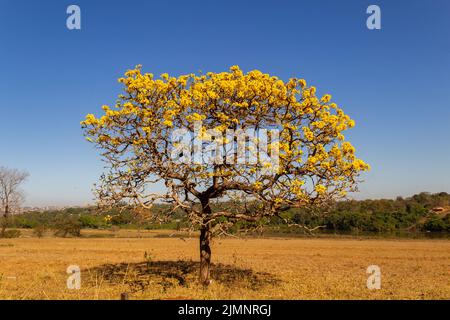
<point x="395" y="82"/>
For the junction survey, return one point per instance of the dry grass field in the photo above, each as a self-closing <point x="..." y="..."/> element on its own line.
<point x="271" y="268"/>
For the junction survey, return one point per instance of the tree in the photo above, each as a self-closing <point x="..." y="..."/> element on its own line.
<point x="229" y="147"/>
<point x="10" y="194"/>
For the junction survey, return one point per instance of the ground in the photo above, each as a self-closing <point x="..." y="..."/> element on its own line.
<point x="161" y="265"/>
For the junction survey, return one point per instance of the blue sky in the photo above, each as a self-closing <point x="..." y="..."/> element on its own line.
<point x="395" y="82"/>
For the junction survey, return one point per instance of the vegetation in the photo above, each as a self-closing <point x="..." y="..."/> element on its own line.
<point x="10" y="195"/>
<point x="402" y="214"/>
<point x="11" y="234"/>
<point x="68" y="226"/>
<point x="410" y="214"/>
<point x="267" y="144"/>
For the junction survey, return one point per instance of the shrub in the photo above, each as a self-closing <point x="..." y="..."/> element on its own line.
<point x="122" y="218"/>
<point x="91" y="221"/>
<point x="66" y="227"/>
<point x="22" y="222"/>
<point x="39" y="230"/>
<point x="11" y="234"/>
<point x="437" y="224"/>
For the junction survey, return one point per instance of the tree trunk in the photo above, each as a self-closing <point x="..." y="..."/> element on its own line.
<point x="205" y="249"/>
<point x="205" y="255"/>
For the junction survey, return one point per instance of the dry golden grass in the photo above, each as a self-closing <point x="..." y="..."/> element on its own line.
<point x="275" y="268"/>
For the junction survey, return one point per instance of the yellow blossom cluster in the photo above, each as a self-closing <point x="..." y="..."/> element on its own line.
<point x="311" y="141"/>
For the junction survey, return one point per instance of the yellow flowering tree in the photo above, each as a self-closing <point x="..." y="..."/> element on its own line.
<point x="313" y="163"/>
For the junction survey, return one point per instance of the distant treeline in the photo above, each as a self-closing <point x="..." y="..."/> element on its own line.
<point x="402" y="214"/>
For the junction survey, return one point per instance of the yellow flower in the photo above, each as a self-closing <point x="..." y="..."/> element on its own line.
<point x="258" y="185"/>
<point x="168" y="123"/>
<point x="326" y="98"/>
<point x="360" y="165"/>
<point x="309" y="135"/>
<point x="90" y="119"/>
<point x="195" y="117"/>
<point x="267" y="165"/>
<point x="347" y="148"/>
<point x="278" y="200"/>
<point x="235" y="68"/>
<point x="302" y="83"/>
<point x="320" y="189"/>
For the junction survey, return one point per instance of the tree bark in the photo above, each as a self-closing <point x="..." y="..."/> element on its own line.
<point x="205" y="255"/>
<point x="205" y="249"/>
<point x="5" y="221"/>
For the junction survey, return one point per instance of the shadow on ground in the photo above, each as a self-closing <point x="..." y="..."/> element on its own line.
<point x="168" y="274"/>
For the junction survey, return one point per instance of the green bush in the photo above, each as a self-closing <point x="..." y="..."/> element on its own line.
<point x="69" y="226"/>
<point x="122" y="218"/>
<point x="437" y="224"/>
<point x="92" y="221"/>
<point x="22" y="221"/>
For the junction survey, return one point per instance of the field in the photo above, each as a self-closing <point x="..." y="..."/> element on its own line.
<point x="263" y="268"/>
